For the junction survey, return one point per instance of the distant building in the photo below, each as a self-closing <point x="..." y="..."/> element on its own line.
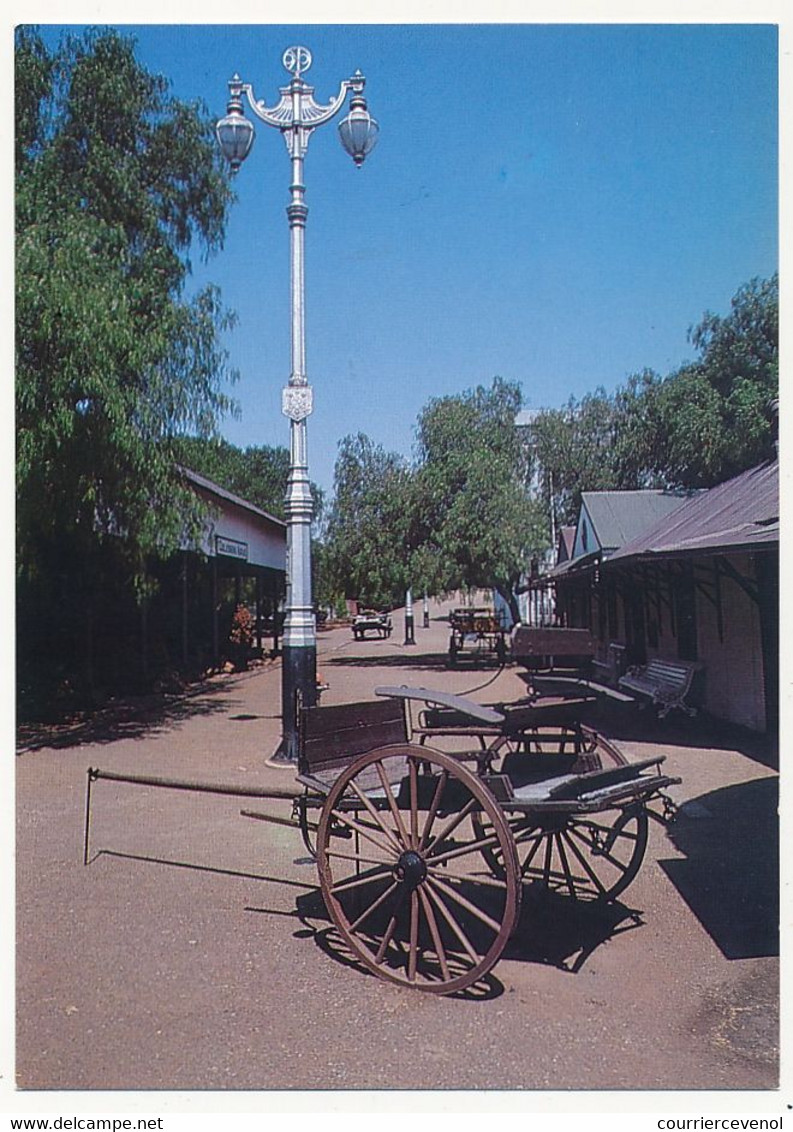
<point x="606" y="521"/>
<point x="609" y="519"/>
<point x="564" y="545"/>
<point x="239" y="559"/>
<point x="699" y="582"/>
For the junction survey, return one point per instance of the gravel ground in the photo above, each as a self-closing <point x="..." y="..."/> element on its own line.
<point x="194" y="953"/>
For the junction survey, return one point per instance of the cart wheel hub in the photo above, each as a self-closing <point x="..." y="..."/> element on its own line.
<point x="411" y="869"/>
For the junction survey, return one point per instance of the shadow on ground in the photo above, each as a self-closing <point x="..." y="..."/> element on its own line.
<point x="423" y="662"/>
<point x="563" y="933"/>
<point x="310" y="910"/>
<point x="628" y="721"/>
<point x="631" y="720"/>
<point x="131" y="718"/>
<point x="148" y="859"/>
<point x="729" y="876"/>
<point x="553" y="930"/>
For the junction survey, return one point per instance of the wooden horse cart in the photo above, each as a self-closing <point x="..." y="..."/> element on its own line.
<point x="423" y="853"/>
<point x="475" y="634"/>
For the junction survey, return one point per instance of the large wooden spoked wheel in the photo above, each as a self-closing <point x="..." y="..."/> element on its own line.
<point x="585" y="856"/>
<point x="399" y="853"/>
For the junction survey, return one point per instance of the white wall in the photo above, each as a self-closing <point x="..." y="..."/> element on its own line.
<point x="733" y="668"/>
<point x="266" y="542"/>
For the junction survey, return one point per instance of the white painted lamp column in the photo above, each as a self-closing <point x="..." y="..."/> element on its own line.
<point x="297" y="115"/>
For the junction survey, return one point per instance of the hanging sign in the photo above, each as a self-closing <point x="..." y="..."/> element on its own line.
<point x="231" y="548"/>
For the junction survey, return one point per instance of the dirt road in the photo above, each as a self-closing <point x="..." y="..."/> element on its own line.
<point x="194" y="951"/>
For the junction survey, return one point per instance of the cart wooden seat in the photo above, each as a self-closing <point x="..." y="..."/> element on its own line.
<point x="537" y="724"/>
<point x="593" y="789"/>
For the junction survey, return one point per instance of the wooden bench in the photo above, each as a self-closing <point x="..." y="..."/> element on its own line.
<point x="665" y="682"/>
<point x="610" y="666"/>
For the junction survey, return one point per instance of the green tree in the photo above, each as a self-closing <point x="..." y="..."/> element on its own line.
<point x="473" y="522"/>
<point x="258" y="473"/>
<point x="701" y="424"/>
<point x="720" y="416"/>
<point x="116" y="183"/>
<point x="713" y="417"/>
<point x="366" y="553"/>
<point x="640" y="432"/>
<point x="575" y="451"/>
<point x="743" y="345"/>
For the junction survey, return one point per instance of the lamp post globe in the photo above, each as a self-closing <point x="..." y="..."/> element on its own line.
<point x="297" y="115"/>
<point x="358" y="132"/>
<point x="235" y="133"/>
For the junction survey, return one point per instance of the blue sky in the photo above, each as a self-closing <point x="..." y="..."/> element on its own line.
<point x="554" y="204"/>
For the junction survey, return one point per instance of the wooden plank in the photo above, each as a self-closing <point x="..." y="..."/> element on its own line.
<point x="333" y="736"/>
<point x="432" y="697"/>
<point x="533" y="641"/>
<point x="566" y="713"/>
<point x="320" y="721"/>
<point x="598" y="779"/>
<point x="445" y="721"/>
<point x="531" y="798"/>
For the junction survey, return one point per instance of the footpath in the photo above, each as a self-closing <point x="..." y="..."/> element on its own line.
<point x="194" y="952"/>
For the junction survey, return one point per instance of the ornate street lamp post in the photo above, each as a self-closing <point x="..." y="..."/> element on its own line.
<point x="297" y="115"/>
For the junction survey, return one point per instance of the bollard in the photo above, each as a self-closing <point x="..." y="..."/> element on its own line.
<point x="409" y="630"/>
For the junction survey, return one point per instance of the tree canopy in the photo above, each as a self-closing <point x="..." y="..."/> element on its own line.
<point x="573" y="449"/>
<point x="116" y="182"/>
<point x="460" y="516"/>
<point x="474" y="523"/>
<point x="366" y="554"/>
<point x="703" y="423"/>
<point x="719" y="413"/>
<point x="257" y="473"/>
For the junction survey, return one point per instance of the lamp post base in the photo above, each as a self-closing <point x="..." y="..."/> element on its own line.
<point x="298" y="674"/>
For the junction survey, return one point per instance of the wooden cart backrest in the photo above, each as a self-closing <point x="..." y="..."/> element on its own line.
<point x="529" y="642"/>
<point x="330" y="737"/>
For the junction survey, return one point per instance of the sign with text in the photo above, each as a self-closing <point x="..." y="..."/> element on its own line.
<point x="231" y="547"/>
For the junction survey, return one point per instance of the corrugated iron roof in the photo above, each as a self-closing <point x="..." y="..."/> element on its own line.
<point x="741" y="513"/>
<point x="620" y="516"/>
<point x="573" y="564"/>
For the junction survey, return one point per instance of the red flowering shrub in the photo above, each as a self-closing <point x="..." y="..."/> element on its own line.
<point x="241" y="636"/>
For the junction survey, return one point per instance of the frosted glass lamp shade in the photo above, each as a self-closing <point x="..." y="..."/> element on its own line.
<point x="235" y="137"/>
<point x="358" y="132"/>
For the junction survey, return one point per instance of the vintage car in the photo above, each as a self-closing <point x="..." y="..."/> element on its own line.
<point x="371" y="621"/>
